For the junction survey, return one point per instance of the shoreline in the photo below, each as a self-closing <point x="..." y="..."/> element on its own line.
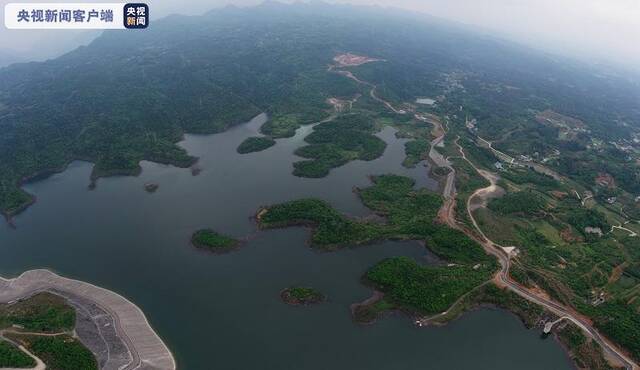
<point x="373" y="217"/>
<point x="613" y="354"/>
<point x="130" y="325"/>
<point x="95" y="176"/>
<point x="460" y="314"/>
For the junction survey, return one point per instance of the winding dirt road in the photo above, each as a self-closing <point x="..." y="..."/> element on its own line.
<point x="478" y="199"/>
<point x="503" y="278"/>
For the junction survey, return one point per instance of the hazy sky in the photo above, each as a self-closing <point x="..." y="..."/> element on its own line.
<point x="608" y="30"/>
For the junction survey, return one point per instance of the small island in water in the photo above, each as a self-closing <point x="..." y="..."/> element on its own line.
<point x="256" y="144"/>
<point x="300" y="296"/>
<point x="214" y="242"/>
<point x="151" y="187"/>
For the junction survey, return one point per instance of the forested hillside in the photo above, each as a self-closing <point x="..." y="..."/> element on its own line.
<point x="130" y="96"/>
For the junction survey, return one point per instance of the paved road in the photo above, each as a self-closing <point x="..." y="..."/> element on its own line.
<point x="497" y="250"/>
<point x="438" y="159"/>
<point x="556" y="308"/>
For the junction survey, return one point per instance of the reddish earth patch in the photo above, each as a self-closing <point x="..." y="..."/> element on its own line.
<point x="540" y="292"/>
<point x="605" y="180"/>
<point x="352" y="60"/>
<point x="362" y="312"/>
<point x="569" y="237"/>
<point x="498" y="281"/>
<point x="617" y="273"/>
<point x="559" y="194"/>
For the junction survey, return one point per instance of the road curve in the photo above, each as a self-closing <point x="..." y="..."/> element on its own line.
<point x="504" y="277"/>
<point x="497" y="250"/>
<point x="145" y="348"/>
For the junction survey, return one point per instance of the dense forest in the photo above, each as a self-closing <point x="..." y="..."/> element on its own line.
<point x="130" y="96"/>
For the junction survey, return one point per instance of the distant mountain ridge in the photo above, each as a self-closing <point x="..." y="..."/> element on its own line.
<point x="9" y="57"/>
<point x="130" y="96"/>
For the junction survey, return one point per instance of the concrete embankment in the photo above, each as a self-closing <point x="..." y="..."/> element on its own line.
<point x="117" y="322"/>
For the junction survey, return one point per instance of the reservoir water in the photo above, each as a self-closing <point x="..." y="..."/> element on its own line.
<point x="224" y="311"/>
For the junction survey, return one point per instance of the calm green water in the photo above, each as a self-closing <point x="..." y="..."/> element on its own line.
<point x="223" y="312"/>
